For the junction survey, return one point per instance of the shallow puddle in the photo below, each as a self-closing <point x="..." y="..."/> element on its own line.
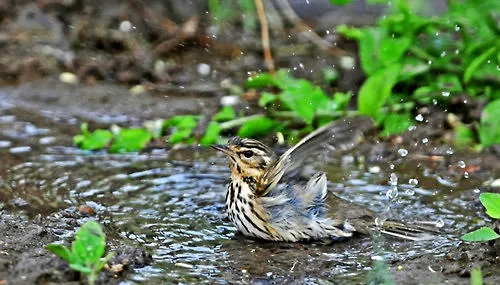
<point x="173" y="204"/>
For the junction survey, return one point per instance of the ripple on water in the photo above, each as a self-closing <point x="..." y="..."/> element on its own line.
<point x="176" y="210"/>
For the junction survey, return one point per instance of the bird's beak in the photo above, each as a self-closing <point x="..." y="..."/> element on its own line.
<point x="222" y="148"/>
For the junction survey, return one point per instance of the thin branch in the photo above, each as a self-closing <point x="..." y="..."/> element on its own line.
<point x="307" y="31"/>
<point x="238" y="122"/>
<point x="264" y="30"/>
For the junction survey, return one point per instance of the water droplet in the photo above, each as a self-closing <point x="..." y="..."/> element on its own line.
<point x="443" y="54"/>
<point x="392" y="193"/>
<point x="457" y="28"/>
<point x="419" y="118"/>
<point x="403" y="152"/>
<point x="391" y="166"/>
<point x="429" y="62"/>
<point x="410" y="192"/>
<point x="477" y="190"/>
<point x="413" y="181"/>
<point x="445" y="93"/>
<point x="461" y="164"/>
<point x="425" y="140"/>
<point x="450" y="151"/>
<point x="394" y="179"/>
<point x="466" y="174"/>
<point x="434" y="101"/>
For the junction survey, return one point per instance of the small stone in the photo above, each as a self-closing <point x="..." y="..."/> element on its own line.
<point x="137" y="90"/>
<point x="374" y="169"/>
<point x="495" y="183"/>
<point x="68" y="78"/>
<point x="347" y="62"/>
<point x="203" y="69"/>
<point x="86" y="210"/>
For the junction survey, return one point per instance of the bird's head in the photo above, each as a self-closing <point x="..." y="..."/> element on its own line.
<point x="247" y="157"/>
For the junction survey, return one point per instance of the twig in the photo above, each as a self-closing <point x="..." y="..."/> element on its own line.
<point x="240" y="121"/>
<point x="264" y="30"/>
<point x="308" y="32"/>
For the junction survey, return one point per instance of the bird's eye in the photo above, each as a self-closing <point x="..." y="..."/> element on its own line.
<point x="248" y="153"/>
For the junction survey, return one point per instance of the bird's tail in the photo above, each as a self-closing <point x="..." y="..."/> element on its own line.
<point x="416" y="231"/>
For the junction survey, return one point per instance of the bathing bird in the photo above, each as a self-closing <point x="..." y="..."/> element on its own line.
<point x="267" y="199"/>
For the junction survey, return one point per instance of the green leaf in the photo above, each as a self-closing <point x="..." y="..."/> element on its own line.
<point x="266" y="98"/>
<point x="92" y="141"/>
<point x="89" y="243"/>
<point x="260" y="80"/>
<point x="350" y="32"/>
<point x="368" y="53"/>
<point x="464" y="136"/>
<point x="304" y="99"/>
<point x="376" y="89"/>
<point x="482" y="234"/>
<point x="340" y="2"/>
<point x="225" y="114"/>
<point x="474" y="65"/>
<point x="396" y="124"/>
<point x="183" y="126"/>
<point x="476" y="277"/>
<point x="491" y="201"/>
<point x="489" y="127"/>
<point x="128" y="140"/>
<point x="257" y="127"/>
<point x="392" y="49"/>
<point x="211" y="134"/>
<point x="80" y="267"/>
<point x="61" y="251"/>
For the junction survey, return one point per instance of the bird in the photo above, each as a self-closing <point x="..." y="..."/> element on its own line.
<point x="265" y="199"/>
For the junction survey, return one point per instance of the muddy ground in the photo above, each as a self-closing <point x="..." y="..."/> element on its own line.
<point x="165" y="58"/>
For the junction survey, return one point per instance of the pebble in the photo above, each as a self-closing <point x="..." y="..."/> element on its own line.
<point x="68" y="78"/>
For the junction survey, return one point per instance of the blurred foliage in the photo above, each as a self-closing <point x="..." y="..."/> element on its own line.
<point x="224" y="11"/>
<point x="455" y="53"/>
<point x="409" y="60"/>
<point x="491" y="201"/>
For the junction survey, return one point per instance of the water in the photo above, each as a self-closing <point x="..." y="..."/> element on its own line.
<point x="172" y="203"/>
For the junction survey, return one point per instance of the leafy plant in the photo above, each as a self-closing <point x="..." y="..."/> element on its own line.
<point x="92" y="141"/>
<point x="459" y="48"/>
<point x="491" y="201"/>
<point x="489" y="128"/>
<point x="86" y="251"/>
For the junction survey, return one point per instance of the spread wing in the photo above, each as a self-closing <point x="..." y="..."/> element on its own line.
<point x="339" y="135"/>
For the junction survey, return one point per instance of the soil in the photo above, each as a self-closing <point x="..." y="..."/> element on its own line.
<point x="164" y="57"/>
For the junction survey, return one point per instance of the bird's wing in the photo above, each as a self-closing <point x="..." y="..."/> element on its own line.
<point x="339" y="135"/>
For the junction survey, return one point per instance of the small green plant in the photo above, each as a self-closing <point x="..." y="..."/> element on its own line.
<point x="491" y="201"/>
<point x="123" y="140"/>
<point x="86" y="251"/>
<point x="476" y="277"/>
